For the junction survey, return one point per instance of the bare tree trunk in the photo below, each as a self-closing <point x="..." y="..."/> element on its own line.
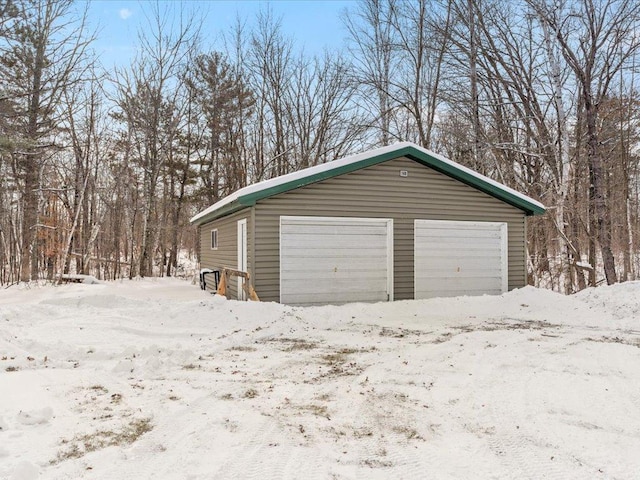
<point x="473" y="80"/>
<point x="373" y="44"/>
<point x="562" y="182"/>
<point x="601" y="214"/>
<point x="30" y="248"/>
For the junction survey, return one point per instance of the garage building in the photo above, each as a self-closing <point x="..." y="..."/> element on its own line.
<point x="398" y="222"/>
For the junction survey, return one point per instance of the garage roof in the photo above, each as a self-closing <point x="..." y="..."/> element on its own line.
<point x="249" y="195"/>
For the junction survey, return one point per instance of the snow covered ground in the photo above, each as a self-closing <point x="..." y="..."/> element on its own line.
<point x="156" y="379"/>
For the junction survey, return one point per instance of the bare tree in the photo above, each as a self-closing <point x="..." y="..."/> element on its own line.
<point x="421" y="31"/>
<point x="42" y="56"/>
<point x="322" y="118"/>
<point x="83" y="175"/>
<point x="372" y="45"/>
<point x="147" y="98"/>
<point x="223" y="101"/>
<point x="597" y="40"/>
<point x="270" y="63"/>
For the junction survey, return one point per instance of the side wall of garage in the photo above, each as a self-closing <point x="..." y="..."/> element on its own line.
<point x="226" y="255"/>
<point x="381" y="192"/>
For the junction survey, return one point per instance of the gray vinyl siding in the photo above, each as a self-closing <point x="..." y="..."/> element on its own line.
<point x="226" y="256"/>
<point x="380" y="192"/>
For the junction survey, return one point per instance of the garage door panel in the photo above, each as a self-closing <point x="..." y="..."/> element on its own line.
<point x="343" y="284"/>
<point x="485" y="239"/>
<point x="478" y="260"/>
<point x="439" y="247"/>
<point x="481" y="277"/>
<point x="323" y="298"/>
<point x="337" y="253"/>
<point x="317" y="275"/>
<point x="459" y="258"/>
<point x="458" y="239"/>
<point x="464" y="286"/>
<point x="467" y="272"/>
<point x="326" y="256"/>
<point x="332" y="243"/>
<point x="461" y="292"/>
<point x="477" y="252"/>
<point x="335" y="260"/>
<point x="452" y="234"/>
<point x="311" y="230"/>
<point x="301" y="270"/>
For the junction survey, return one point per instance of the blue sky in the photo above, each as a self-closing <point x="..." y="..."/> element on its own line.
<point x="314" y="24"/>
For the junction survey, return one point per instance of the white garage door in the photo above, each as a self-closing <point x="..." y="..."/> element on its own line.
<point x="335" y="260"/>
<point x="459" y="258"/>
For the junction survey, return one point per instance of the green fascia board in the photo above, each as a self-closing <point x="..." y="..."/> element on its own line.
<point x="413" y="154"/>
<point x="228" y="209"/>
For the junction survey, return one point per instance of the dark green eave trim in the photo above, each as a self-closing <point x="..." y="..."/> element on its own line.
<point x="228" y="209"/>
<point x="412" y="153"/>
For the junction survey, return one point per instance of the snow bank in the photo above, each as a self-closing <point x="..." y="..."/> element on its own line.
<point x="620" y="301"/>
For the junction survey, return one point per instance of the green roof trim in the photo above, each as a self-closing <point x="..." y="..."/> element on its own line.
<point x="228" y="209"/>
<point x="410" y="151"/>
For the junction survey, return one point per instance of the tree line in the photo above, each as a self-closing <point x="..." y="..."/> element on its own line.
<point x="100" y="169"/>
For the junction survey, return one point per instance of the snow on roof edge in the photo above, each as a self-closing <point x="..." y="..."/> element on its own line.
<point x="334" y="164"/>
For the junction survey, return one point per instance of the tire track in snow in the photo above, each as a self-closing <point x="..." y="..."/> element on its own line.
<point x="527" y="451"/>
<point x="393" y="440"/>
<point x="525" y="458"/>
<point x="271" y="455"/>
<point x="274" y="450"/>
<point x="379" y="441"/>
<point x="152" y="456"/>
